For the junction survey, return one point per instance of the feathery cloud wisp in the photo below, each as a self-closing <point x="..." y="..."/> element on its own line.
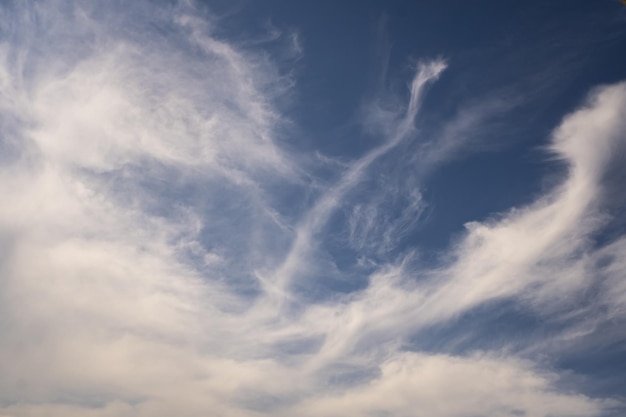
<point x="141" y="205"/>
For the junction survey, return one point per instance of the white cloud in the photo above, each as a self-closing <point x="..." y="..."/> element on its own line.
<point x="316" y="218"/>
<point x="530" y="253"/>
<point x="139" y="200"/>
<point x="438" y="385"/>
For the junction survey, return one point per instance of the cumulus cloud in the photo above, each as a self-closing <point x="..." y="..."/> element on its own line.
<point x="147" y="269"/>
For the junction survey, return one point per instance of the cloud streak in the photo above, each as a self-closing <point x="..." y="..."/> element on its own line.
<point x="318" y="215"/>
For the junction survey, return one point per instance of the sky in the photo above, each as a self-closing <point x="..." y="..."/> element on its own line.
<point x="242" y="208"/>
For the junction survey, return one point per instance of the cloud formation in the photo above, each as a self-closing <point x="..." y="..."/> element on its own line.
<point x="147" y="267"/>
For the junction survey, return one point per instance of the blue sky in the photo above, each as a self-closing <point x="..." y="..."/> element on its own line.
<point x="317" y="209"/>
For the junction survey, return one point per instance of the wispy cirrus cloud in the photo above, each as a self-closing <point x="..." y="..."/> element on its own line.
<point x="147" y="268"/>
<point x="319" y="214"/>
